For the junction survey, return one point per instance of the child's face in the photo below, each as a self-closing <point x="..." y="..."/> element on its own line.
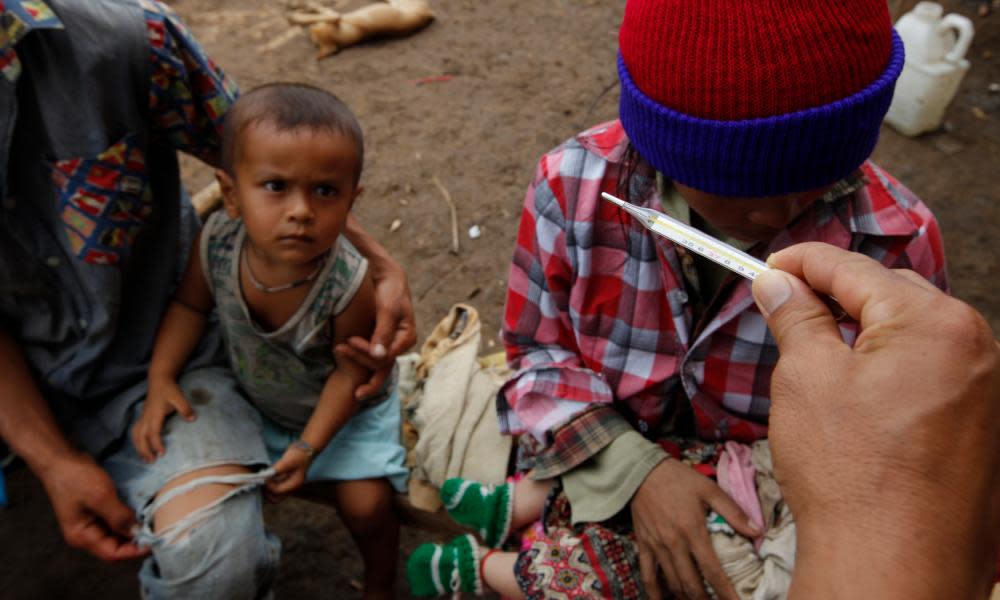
<point x="749" y="219"/>
<point x="293" y="189"/>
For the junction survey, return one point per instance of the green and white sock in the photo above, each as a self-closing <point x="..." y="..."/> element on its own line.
<point x="485" y="508"/>
<point x="437" y="569"/>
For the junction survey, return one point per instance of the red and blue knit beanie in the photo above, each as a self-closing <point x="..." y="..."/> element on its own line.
<point x="756" y="98"/>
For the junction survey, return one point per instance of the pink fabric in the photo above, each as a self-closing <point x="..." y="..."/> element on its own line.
<point x="736" y="478"/>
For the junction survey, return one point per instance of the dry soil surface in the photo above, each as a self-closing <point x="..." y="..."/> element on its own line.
<point x="519" y="77"/>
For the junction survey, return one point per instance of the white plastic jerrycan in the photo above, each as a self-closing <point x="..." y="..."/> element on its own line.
<point x="934" y="68"/>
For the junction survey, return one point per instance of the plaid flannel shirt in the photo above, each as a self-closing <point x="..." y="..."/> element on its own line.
<point x="599" y="326"/>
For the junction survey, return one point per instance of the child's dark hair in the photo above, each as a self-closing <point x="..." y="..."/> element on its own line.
<point x="290" y="106"/>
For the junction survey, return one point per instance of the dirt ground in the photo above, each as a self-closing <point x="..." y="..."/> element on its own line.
<point x="520" y="78"/>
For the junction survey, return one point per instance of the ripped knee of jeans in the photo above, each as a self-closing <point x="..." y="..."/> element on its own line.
<point x="225" y="554"/>
<point x="239" y="483"/>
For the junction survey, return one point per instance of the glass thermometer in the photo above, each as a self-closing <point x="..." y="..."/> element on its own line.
<point x="737" y="261"/>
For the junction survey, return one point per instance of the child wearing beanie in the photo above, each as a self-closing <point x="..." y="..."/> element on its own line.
<point x="636" y="360"/>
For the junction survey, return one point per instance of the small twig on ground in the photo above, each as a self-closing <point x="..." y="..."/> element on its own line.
<point x="454" y="213"/>
<point x="300" y="18"/>
<point x="257" y="28"/>
<point x="313" y="12"/>
<point x="432" y="79"/>
<point x="319" y="7"/>
<point x="282" y="39"/>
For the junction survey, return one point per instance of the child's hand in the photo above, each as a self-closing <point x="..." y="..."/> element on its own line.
<point x="163" y="398"/>
<point x="289" y="473"/>
<point x="668" y="514"/>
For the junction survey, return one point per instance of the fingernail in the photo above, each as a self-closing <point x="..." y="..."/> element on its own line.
<point x="378" y="351"/>
<point x="754" y="528"/>
<point x="770" y="290"/>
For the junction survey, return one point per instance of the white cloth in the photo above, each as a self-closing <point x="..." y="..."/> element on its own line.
<point x="453" y="410"/>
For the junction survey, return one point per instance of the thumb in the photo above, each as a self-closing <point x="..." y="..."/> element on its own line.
<point x="385" y="327"/>
<point x="182" y="407"/>
<point x="118" y="517"/>
<point x="795" y="315"/>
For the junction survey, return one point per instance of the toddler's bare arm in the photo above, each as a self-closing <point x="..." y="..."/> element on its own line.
<point x="180" y="330"/>
<point x="337" y="402"/>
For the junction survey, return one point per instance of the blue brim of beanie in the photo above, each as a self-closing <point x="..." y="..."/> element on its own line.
<point x="769" y="156"/>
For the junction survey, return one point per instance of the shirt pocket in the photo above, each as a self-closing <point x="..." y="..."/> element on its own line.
<point x="103" y="201"/>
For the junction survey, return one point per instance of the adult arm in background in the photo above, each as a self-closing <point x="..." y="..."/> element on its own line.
<point x="395" y="326"/>
<point x="88" y="509"/>
<point x="888" y="452"/>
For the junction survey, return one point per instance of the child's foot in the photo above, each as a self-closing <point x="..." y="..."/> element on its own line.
<point x="436" y="569"/>
<point x="485" y="508"/>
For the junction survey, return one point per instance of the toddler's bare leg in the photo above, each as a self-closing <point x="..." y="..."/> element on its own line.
<point x="498" y="574"/>
<point x="366" y="507"/>
<point x="529" y="500"/>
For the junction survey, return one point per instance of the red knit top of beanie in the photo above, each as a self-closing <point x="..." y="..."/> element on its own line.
<point x="743" y="59"/>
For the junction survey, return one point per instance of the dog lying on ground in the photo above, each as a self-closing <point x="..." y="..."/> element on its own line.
<point x="389" y="18"/>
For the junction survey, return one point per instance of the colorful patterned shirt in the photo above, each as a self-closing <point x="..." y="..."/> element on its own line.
<point x="98" y="97"/>
<point x="599" y="325"/>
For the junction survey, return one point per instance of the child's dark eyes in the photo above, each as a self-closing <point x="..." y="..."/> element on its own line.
<point x="277" y="186"/>
<point x="326" y="191"/>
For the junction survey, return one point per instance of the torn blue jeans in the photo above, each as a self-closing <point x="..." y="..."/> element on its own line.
<point x="221" y="550"/>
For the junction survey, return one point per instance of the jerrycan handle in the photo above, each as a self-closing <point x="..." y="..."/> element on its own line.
<point x="963" y="27"/>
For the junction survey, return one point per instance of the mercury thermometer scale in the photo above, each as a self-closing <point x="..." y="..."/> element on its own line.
<point x="737" y="261"/>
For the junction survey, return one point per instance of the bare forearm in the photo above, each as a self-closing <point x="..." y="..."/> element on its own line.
<point x="335" y="407"/>
<point x="26" y="421"/>
<point x="179" y="333"/>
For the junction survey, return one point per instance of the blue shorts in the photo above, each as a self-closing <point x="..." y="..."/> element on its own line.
<point x="366" y="447"/>
<point x="229" y="430"/>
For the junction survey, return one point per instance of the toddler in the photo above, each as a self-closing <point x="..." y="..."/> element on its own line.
<point x="287" y="287"/>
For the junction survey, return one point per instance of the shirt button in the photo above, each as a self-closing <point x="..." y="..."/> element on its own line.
<point x="643" y="426"/>
<point x="84" y="323"/>
<point x="52" y="261"/>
